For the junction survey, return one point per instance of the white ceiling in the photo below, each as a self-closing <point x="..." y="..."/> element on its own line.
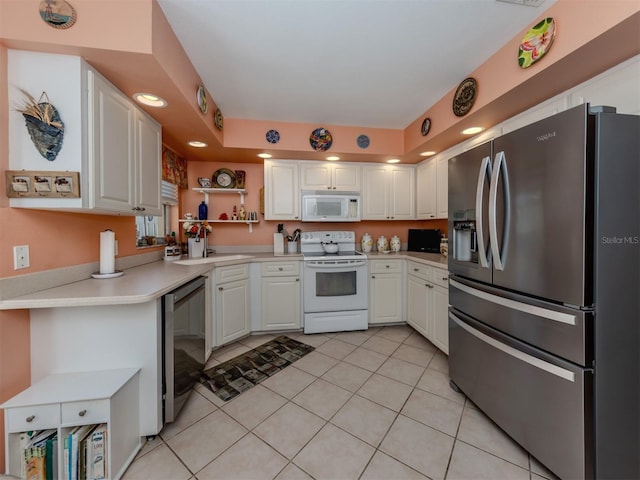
<point x="370" y="63"/>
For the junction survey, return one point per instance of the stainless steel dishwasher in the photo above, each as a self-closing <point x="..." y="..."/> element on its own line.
<point x="183" y="313"/>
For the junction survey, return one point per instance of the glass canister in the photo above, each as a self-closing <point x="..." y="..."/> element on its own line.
<point x="383" y="243"/>
<point x="394" y="244"/>
<point x="366" y="243"/>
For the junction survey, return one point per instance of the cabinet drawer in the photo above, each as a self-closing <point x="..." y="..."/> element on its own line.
<point x="440" y="277"/>
<point x="420" y="270"/>
<point x="34" y="417"/>
<point x="87" y="411"/>
<point x="383" y="266"/>
<point x="232" y="273"/>
<point x="280" y="269"/>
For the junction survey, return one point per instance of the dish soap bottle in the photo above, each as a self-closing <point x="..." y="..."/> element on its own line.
<point x="203" y="211"/>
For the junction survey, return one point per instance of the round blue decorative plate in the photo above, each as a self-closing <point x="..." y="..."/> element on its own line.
<point x="273" y="136"/>
<point x="362" y="141"/>
<point x="320" y="140"/>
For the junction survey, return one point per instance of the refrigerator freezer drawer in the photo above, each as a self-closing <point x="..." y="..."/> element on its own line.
<point x="540" y="401"/>
<point x="562" y="331"/>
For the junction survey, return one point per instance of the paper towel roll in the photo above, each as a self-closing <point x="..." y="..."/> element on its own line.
<point x="107" y="251"/>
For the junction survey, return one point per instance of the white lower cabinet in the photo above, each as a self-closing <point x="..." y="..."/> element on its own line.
<point x="428" y="302"/>
<point x="67" y="402"/>
<point x="385" y="291"/>
<point x="280" y="295"/>
<point x="231" y="304"/>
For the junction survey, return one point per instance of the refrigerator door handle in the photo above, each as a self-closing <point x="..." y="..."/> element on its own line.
<point x="499" y="170"/>
<point x="513" y="352"/>
<point x="485" y="171"/>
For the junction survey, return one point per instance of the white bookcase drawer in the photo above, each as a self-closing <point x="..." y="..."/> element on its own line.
<point x="89" y="411"/>
<point x="33" y="417"/>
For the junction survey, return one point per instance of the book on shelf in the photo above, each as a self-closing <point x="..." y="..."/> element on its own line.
<point x="37" y="451"/>
<point x="97" y="454"/>
<point x="72" y="443"/>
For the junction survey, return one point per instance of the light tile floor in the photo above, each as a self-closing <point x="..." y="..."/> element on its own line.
<point x="364" y="405"/>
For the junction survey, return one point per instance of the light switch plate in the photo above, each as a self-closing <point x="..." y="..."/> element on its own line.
<point x="20" y="257"/>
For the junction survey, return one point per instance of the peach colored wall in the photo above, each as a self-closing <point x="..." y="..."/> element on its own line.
<point x="577" y="24"/>
<point x="295" y="136"/>
<point x="238" y="234"/>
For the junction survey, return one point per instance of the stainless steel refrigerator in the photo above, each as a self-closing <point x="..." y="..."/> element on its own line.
<point x="544" y="256"/>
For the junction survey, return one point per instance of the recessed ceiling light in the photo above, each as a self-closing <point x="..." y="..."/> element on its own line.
<point x="197" y="144"/>
<point x="264" y="155"/>
<point x="150" y="100"/>
<point x="472" y="130"/>
<point x="394" y="160"/>
<point x="428" y="154"/>
<point x="333" y="158"/>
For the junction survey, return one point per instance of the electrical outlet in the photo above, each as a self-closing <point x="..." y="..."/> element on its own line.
<point x="20" y="257"/>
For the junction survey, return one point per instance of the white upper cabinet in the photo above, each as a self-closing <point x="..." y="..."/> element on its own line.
<point x="330" y="176"/>
<point x="388" y="192"/>
<point x="426" y="190"/>
<point x="281" y="190"/>
<point x="115" y="146"/>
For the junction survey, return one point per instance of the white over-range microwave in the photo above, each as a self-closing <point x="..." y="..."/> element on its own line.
<point x="319" y="206"/>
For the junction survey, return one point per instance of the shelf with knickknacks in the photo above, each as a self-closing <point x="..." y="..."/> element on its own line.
<point x="249" y="218"/>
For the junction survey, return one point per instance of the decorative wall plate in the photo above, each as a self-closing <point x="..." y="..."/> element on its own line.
<point x="320" y="140"/>
<point x="537" y="42"/>
<point x="273" y="136"/>
<point x="58" y="13"/>
<point x="201" y="97"/>
<point x="224" y="178"/>
<point x="464" y="97"/>
<point x="362" y="141"/>
<point x="217" y="118"/>
<point x="426" y="126"/>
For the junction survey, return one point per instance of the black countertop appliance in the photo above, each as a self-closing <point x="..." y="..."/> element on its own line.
<point x="424" y="240"/>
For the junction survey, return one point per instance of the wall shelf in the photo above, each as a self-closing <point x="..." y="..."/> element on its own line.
<point x="239" y="191"/>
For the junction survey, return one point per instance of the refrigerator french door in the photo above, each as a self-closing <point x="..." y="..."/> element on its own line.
<point x="544" y="259"/>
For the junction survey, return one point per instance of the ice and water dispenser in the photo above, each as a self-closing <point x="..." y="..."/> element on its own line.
<point x="465" y="244"/>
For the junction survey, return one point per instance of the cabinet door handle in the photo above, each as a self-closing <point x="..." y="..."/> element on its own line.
<point x="30" y="418"/>
<point x="280" y="268"/>
<point x="82" y="413"/>
<point x="220" y="288"/>
<point x="416" y="269"/>
<point x="428" y="285"/>
<point x="387" y="266"/>
<point x="373" y="276"/>
<point x="445" y="278"/>
<point x="297" y="279"/>
<point x="142" y="209"/>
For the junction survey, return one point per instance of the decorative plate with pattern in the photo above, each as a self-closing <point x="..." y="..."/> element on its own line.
<point x="201" y="97"/>
<point x="464" y="97"/>
<point x="217" y="118"/>
<point x="362" y="141"/>
<point x="320" y="140"/>
<point x="273" y="136"/>
<point x="426" y="126"/>
<point x="536" y="42"/>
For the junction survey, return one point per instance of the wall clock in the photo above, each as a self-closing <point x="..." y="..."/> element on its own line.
<point x="224" y="178"/>
<point x="465" y="96"/>
<point x="426" y="126"/>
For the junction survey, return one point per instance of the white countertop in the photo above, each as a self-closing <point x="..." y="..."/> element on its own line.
<point x="152" y="280"/>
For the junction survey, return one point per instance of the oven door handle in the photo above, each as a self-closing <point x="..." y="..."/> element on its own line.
<point x="336" y="264"/>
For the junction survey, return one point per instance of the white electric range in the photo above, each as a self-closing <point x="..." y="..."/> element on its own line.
<point x="335" y="284"/>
